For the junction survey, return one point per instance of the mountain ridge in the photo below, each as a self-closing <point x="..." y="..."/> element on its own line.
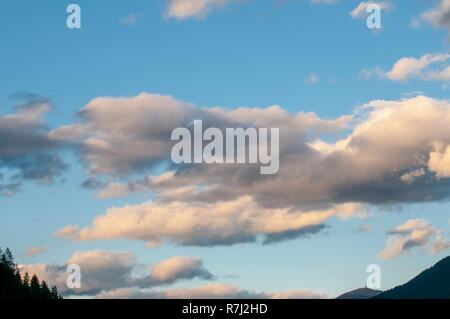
<point x="360" y="293"/>
<point x="432" y="283"/>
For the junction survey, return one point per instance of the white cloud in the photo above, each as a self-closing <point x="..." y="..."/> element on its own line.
<point x="132" y="19"/>
<point x="389" y="155"/>
<point x="415" y="233"/>
<point x="114" y="190"/>
<point x="312" y="79"/>
<point x="121" y="136"/>
<point x="361" y="10"/>
<point x="36" y="250"/>
<point x="117" y="275"/>
<point x="199" y="9"/>
<point x="439" y="16"/>
<point x="410" y="177"/>
<point x="410" y="68"/>
<point x="439" y="161"/>
<point x="211" y="291"/>
<point x="179" y="267"/>
<point x="203" y="224"/>
<point x="429" y="67"/>
<point x="103" y="271"/>
<point x="184" y="9"/>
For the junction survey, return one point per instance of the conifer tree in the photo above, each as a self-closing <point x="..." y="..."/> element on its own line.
<point x="45" y="291"/>
<point x="15" y="286"/>
<point x="35" y="287"/>
<point x="54" y="293"/>
<point x="26" y="280"/>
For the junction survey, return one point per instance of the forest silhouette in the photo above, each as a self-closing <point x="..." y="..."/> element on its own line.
<point x="15" y="286"/>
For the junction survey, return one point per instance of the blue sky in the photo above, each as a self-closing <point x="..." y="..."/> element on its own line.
<point x="245" y="54"/>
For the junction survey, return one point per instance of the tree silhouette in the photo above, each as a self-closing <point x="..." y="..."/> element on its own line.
<point x="35" y="287"/>
<point x="14" y="286"/>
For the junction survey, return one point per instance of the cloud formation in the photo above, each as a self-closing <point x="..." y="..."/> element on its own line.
<point x="117" y="275"/>
<point x="429" y="67"/>
<point x="312" y="79"/>
<point x="361" y="10"/>
<point x="391" y="155"/>
<point x="122" y="136"/>
<point x="36" y="250"/>
<point x="438" y="16"/>
<point x="103" y="271"/>
<point x="132" y="19"/>
<point x="185" y="9"/>
<point x="439" y="161"/>
<point x="27" y="152"/>
<point x="175" y="268"/>
<point x="211" y="291"/>
<point x="199" y="9"/>
<point x="415" y="233"/>
<point x="393" y="152"/>
<point x="206" y="224"/>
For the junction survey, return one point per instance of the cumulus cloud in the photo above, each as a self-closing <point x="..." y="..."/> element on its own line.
<point x="175" y="268"/>
<point x="117" y="275"/>
<point x="27" y="152"/>
<point x="103" y="271"/>
<point x="207" y="224"/>
<point x="211" y="291"/>
<point x="415" y="233"/>
<point x="429" y="67"/>
<point x="388" y="149"/>
<point x="361" y="10"/>
<point x="439" y="161"/>
<point x="393" y="152"/>
<point x="121" y="136"/>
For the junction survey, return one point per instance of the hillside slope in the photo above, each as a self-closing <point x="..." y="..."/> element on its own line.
<point x="361" y="293"/>
<point x="432" y="283"/>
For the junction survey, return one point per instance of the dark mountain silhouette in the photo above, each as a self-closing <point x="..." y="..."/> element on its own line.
<point x="361" y="293"/>
<point x="15" y="286"/>
<point x="432" y="283"/>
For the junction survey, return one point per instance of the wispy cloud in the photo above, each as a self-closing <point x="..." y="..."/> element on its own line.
<point x="415" y="233"/>
<point x="132" y="19"/>
<point x="36" y="250"/>
<point x="312" y="79"/>
<point x="438" y="16"/>
<point x="105" y="271"/>
<point x="185" y="9"/>
<point x="361" y="10"/>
